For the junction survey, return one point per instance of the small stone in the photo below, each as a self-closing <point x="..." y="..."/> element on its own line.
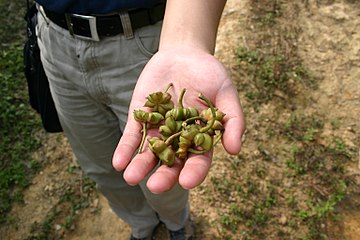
<point x="57" y="227"/>
<point x="283" y="220"/>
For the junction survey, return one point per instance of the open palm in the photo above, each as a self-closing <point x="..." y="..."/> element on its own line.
<point x="197" y="72"/>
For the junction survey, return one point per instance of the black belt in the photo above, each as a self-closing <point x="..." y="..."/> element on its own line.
<point x="95" y="27"/>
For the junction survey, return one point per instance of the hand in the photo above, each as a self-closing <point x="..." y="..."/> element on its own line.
<point x="197" y="72"/>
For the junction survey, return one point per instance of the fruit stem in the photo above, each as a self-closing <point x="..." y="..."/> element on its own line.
<point x="172" y="137"/>
<point x="144" y="133"/>
<point x="168" y="87"/>
<point x="181" y="98"/>
<point x="213" y="112"/>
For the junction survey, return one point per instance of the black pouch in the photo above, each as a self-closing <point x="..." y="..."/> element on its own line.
<point x="39" y="92"/>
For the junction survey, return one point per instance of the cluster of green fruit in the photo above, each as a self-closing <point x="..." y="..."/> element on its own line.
<point x="181" y="130"/>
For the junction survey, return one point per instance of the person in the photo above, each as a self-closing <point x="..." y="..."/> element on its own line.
<point x="102" y="58"/>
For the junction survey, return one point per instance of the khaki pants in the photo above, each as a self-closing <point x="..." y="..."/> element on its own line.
<point x="92" y="83"/>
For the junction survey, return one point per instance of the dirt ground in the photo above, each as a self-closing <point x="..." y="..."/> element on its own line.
<point x="328" y="43"/>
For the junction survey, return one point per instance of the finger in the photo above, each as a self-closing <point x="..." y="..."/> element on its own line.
<point x="128" y="144"/>
<point x="164" y="178"/>
<point x="195" y="170"/>
<point x="234" y="122"/>
<point x="234" y="129"/>
<point x="140" y="166"/>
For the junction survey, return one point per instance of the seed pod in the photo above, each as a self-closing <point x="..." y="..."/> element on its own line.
<point x="184" y="142"/>
<point x="171" y="127"/>
<point x="156" y="145"/>
<point x="169" y="114"/>
<point x="140" y="115"/>
<point x="165" y="131"/>
<point x="171" y="124"/>
<point x="199" y="139"/>
<point x="181" y="153"/>
<point x="191" y="112"/>
<point x="155" y="118"/>
<point x="206" y="114"/>
<point x="158" y="97"/>
<point x="153" y="99"/>
<point x="167" y="156"/>
<point x="164" y="108"/>
<point x="159" y="102"/>
<point x="203" y="140"/>
<point x="219" y="115"/>
<point x="179" y="114"/>
<point x="189" y="132"/>
<point x="217" y="125"/>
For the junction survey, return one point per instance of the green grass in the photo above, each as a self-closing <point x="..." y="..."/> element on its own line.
<point x="18" y="123"/>
<point x="273" y="74"/>
<point x="273" y="70"/>
<point x="305" y="184"/>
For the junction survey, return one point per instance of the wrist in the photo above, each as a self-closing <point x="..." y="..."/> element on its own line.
<point x="191" y="25"/>
<point x="185" y="48"/>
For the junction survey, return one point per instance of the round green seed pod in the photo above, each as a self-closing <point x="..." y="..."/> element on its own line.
<point x="190" y="131"/>
<point x="171" y="124"/>
<point x="203" y="140"/>
<point x="184" y="142"/>
<point x="155" y="118"/>
<point x="140" y="115"/>
<point x="199" y="139"/>
<point x="177" y="113"/>
<point x="167" y="156"/>
<point x="191" y="112"/>
<point x="217" y="125"/>
<point x="207" y="114"/>
<point x="156" y="145"/>
<point x="207" y="144"/>
<point x="165" y="131"/>
<point x="159" y="102"/>
<point x="165" y="107"/>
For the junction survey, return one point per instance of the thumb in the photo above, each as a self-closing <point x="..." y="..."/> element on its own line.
<point x="228" y="102"/>
<point x="127" y="146"/>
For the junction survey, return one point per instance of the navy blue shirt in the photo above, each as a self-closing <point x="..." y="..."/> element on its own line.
<point x="91" y="7"/>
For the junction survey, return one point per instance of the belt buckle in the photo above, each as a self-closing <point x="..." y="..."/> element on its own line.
<point x="92" y="24"/>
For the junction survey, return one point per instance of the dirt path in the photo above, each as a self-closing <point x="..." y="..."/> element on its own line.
<point x="330" y="46"/>
<point x="64" y="205"/>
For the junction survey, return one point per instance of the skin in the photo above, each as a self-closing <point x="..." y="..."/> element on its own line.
<point x="185" y="58"/>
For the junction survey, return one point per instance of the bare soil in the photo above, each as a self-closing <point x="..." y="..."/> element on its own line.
<point x="65" y="205"/>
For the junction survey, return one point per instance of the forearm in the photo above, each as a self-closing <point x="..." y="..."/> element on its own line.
<point x="191" y="24"/>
